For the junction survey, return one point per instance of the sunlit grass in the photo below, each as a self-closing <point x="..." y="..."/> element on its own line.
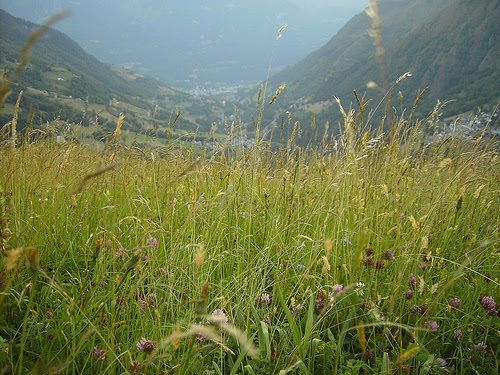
<point x="101" y="257"/>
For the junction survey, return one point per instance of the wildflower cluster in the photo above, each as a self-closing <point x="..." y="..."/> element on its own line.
<point x="454" y="303"/>
<point x="321" y="300"/>
<point x="100" y="354"/>
<point x="368" y="260"/>
<point x="337" y="288"/>
<point x="152" y="242"/>
<point x="431" y="325"/>
<point x="265" y="299"/>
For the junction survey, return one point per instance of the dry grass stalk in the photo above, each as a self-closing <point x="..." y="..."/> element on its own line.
<point x="200" y="256"/>
<point x="407" y="354"/>
<point x="376" y="34"/>
<point x="277" y="93"/>
<point x="93" y="175"/>
<point x="119" y="124"/>
<point x="326" y="265"/>
<point x="328" y="247"/>
<point x="246" y="344"/>
<point x="362" y="337"/>
<point x="349" y="121"/>
<point x="13" y="125"/>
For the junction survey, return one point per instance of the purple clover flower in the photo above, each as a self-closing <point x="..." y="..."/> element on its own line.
<point x="388" y="255"/>
<point x="265" y="299"/>
<point x="368" y="261"/>
<point x="409" y="294"/>
<point x="146" y="346"/>
<point x="99" y="354"/>
<point x="320" y="303"/>
<point x="480" y="347"/>
<point x="142" y="304"/>
<point x="136" y="368"/>
<point x="151" y="241"/>
<point x="412" y="281"/>
<point x="423" y="266"/>
<point x="454" y="302"/>
<point x="369" y="355"/>
<point x="489" y="304"/>
<point x="458" y="335"/>
<point x="218" y="317"/>
<point x="337" y="288"/>
<point x="432" y="325"/>
<point x="415" y="310"/>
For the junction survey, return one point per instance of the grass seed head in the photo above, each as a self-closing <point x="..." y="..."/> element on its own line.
<point x="326" y="265"/>
<point x="200" y="256"/>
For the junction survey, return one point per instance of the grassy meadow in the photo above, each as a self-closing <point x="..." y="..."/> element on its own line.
<point x="373" y="251"/>
<point x="370" y="253"/>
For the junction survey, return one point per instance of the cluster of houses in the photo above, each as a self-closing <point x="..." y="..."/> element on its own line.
<point x="472" y="126"/>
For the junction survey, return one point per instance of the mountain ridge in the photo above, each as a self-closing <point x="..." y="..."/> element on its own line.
<point x="415" y="38"/>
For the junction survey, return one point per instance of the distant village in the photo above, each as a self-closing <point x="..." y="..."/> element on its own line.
<point x="472" y="126"/>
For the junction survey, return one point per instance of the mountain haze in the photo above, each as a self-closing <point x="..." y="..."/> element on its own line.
<point x="456" y="53"/>
<point x="192" y="42"/>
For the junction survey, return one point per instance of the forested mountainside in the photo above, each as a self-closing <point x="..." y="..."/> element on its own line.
<point x="450" y="46"/>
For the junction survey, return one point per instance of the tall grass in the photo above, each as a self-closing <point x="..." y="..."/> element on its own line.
<point x="367" y="253"/>
<point x="341" y="258"/>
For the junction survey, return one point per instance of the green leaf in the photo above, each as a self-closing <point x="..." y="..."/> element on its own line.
<point x="264" y="341"/>
<point x="386" y="364"/>
<point x="249" y="369"/>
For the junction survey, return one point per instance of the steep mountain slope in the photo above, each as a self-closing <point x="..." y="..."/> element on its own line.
<point x="351" y="48"/>
<point x="452" y="46"/>
<point x="191" y="42"/>
<point x="91" y="78"/>
<point x="456" y="53"/>
<point x="62" y="80"/>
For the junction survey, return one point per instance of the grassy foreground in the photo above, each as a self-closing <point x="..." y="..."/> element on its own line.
<point x="363" y="255"/>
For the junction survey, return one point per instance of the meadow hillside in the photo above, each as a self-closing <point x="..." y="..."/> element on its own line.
<point x="362" y="255"/>
<point x="373" y="250"/>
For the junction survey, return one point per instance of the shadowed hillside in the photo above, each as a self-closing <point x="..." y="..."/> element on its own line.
<point x="452" y="46"/>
